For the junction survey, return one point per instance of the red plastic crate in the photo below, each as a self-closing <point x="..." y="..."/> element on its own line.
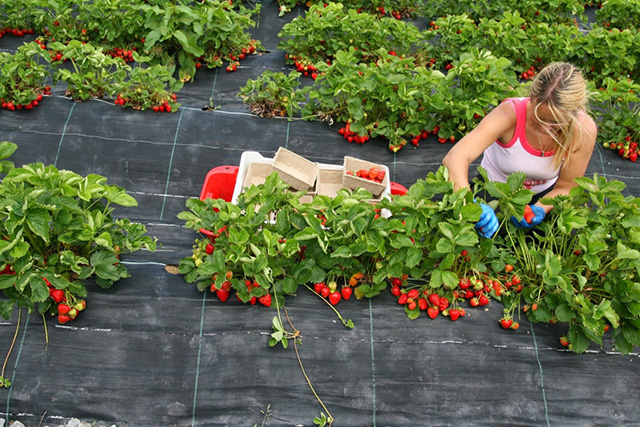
<point x="219" y="184"/>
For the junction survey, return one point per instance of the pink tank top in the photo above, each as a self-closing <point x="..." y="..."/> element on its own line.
<point x="500" y="160"/>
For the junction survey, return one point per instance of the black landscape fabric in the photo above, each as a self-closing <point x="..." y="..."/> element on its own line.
<point x="154" y="351"/>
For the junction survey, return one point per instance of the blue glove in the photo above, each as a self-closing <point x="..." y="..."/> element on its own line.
<point x="536" y="217"/>
<point x="488" y="223"/>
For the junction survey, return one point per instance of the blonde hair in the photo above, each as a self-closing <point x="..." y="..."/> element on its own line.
<point x="561" y="87"/>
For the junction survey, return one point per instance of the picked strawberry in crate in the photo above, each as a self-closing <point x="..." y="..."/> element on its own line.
<point x="361" y="173"/>
<point x="372" y="174"/>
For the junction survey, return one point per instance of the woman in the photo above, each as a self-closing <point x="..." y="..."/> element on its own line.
<point x="549" y="136"/>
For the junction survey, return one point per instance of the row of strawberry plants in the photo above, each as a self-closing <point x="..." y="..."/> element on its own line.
<point x="392" y="98"/>
<point x="181" y="34"/>
<point x="58" y="229"/>
<point x="538" y="10"/>
<point x="616" y="105"/>
<point x="530" y="44"/>
<point x="404" y="103"/>
<point x="620" y="14"/>
<point x="398" y="9"/>
<point x="580" y="267"/>
<point x="93" y="74"/>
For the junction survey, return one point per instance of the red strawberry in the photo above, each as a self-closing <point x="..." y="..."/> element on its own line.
<point x="335" y="297"/>
<point x="483" y="300"/>
<point x="396" y="281"/>
<point x="473" y="302"/>
<point x="318" y="287"/>
<point x="395" y="291"/>
<point x="454" y="314"/>
<point x="222" y="295"/>
<point x="423" y="304"/>
<point x="434" y="299"/>
<point x="506" y="323"/>
<point x="564" y="341"/>
<point x="209" y="249"/>
<point x="412" y="305"/>
<point x="63" y="318"/>
<point x="346" y="292"/>
<point x="265" y="300"/>
<point x="57" y="295"/>
<point x="63" y="308"/>
<point x="433" y="312"/>
<point x="413" y="293"/>
<point x="403" y="299"/>
<point x="325" y="291"/>
<point x="464" y="283"/>
<point x="528" y="214"/>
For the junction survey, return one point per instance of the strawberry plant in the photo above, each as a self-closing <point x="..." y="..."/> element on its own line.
<point x="58" y="230"/>
<point x="608" y="53"/>
<point x="397" y="8"/>
<point x="390" y="98"/>
<point x="619" y="14"/>
<point x="552" y="12"/>
<point x="206" y="33"/>
<point x="23" y="77"/>
<point x="17" y="18"/>
<point x="474" y="84"/>
<point x="323" y="31"/>
<point x="580" y="264"/>
<point x="530" y="45"/>
<point x="94" y="74"/>
<point x="149" y="88"/>
<point x="274" y="94"/>
<point x="616" y="105"/>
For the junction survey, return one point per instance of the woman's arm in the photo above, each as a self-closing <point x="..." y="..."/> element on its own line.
<point x="578" y="161"/>
<point x="498" y="124"/>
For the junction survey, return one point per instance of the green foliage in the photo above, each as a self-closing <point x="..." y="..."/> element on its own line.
<point x="580" y="266"/>
<point x="22" y="75"/>
<point x="274" y="94"/>
<point x="317" y="36"/>
<point x="94" y="74"/>
<point x="57" y="226"/>
<point x="619" y="14"/>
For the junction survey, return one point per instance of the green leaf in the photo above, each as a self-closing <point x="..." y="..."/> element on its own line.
<point x="450" y="279"/>
<point x="414" y="255"/>
<point x="7" y="149"/>
<point x="447" y="230"/>
<point x="6" y="308"/>
<point x="189" y="44"/>
<point x="341" y="252"/>
<point x="564" y="313"/>
<point x="412" y="314"/>
<point x="467" y="238"/>
<point x="39" y="220"/>
<point x="119" y="196"/>
<point x="444" y="246"/>
<point x="622" y="345"/>
<point x="39" y="289"/>
<point x="626" y="253"/>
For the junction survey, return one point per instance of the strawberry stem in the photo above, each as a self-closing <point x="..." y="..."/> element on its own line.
<point x="15" y="336"/>
<point x="295" y="347"/>
<point x="348" y="324"/>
